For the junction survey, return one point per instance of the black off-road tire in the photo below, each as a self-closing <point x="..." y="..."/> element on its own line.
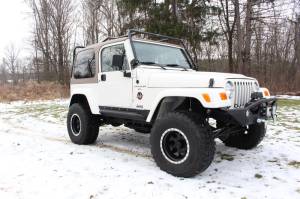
<point x="89" y="129"/>
<point x="246" y="139"/>
<point x="201" y="144"/>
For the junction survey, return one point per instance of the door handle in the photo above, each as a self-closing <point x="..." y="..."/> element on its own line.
<point x="103" y="77"/>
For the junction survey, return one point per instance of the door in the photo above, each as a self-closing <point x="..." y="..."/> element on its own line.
<point x="115" y="88"/>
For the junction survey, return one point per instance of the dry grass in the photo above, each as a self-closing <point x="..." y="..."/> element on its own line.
<point x="33" y="91"/>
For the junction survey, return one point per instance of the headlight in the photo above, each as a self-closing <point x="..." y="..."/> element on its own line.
<point x="256" y="87"/>
<point x="230" y="89"/>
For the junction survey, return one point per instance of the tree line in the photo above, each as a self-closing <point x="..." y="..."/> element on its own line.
<point x="260" y="38"/>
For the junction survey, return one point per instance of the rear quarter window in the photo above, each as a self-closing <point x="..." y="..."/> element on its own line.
<point x="84" y="65"/>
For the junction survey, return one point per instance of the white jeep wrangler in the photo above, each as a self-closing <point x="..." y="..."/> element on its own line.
<point x="149" y="85"/>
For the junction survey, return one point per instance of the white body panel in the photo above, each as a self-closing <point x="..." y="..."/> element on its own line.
<point x="154" y="84"/>
<point x="116" y="90"/>
<point x="90" y="91"/>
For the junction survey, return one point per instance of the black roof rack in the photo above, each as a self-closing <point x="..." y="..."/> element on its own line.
<point x="108" y="38"/>
<point x="133" y="32"/>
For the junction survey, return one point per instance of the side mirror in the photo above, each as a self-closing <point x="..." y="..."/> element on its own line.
<point x="134" y="63"/>
<point x="126" y="74"/>
<point x="117" y="61"/>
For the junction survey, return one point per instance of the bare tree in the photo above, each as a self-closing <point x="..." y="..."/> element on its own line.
<point x="3" y="73"/>
<point x="228" y="19"/>
<point x="11" y="62"/>
<point x="35" y="60"/>
<point x="52" y="38"/>
<point x="61" y="25"/>
<point x="239" y="36"/>
<point x="41" y="13"/>
<point x="92" y="20"/>
<point x="248" y="35"/>
<point x="296" y="59"/>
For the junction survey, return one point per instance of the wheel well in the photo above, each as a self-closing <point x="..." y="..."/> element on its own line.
<point x="168" y="104"/>
<point x="80" y="99"/>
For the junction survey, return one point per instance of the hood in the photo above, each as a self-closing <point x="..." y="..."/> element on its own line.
<point x="189" y="79"/>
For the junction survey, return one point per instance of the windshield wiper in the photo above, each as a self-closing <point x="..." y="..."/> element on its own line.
<point x="178" y="66"/>
<point x="153" y="63"/>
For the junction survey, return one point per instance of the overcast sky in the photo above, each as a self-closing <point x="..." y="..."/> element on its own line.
<point x="14" y="25"/>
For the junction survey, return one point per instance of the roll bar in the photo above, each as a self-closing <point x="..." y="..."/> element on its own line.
<point x="74" y="55"/>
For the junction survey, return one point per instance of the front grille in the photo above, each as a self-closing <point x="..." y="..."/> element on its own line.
<point x="242" y="92"/>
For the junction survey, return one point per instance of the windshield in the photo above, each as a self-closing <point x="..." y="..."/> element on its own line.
<point x="148" y="53"/>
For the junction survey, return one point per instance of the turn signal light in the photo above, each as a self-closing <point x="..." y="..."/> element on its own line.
<point x="206" y="97"/>
<point x="223" y="96"/>
<point x="266" y="92"/>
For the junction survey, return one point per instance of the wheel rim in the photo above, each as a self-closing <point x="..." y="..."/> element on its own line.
<point x="174" y="146"/>
<point x="75" y="124"/>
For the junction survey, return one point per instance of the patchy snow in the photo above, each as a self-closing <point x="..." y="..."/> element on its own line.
<point x="39" y="161"/>
<point x="288" y="97"/>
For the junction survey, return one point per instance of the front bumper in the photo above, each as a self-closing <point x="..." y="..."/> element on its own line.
<point x="254" y="112"/>
<point x="258" y="111"/>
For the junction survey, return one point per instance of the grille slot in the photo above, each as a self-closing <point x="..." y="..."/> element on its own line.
<point x="242" y="92"/>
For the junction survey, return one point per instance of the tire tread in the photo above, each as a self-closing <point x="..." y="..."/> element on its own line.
<point x="90" y="127"/>
<point x="206" y="148"/>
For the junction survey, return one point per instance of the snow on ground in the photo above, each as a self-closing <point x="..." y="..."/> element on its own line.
<point x="288" y="97"/>
<point x="39" y="161"/>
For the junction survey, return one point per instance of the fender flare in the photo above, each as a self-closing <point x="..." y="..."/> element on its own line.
<point x="196" y="93"/>
<point x="80" y="98"/>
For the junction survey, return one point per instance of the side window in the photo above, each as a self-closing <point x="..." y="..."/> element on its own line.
<point x="107" y="58"/>
<point x="85" y="65"/>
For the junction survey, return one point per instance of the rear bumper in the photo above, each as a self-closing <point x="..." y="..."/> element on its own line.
<point x="255" y="112"/>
